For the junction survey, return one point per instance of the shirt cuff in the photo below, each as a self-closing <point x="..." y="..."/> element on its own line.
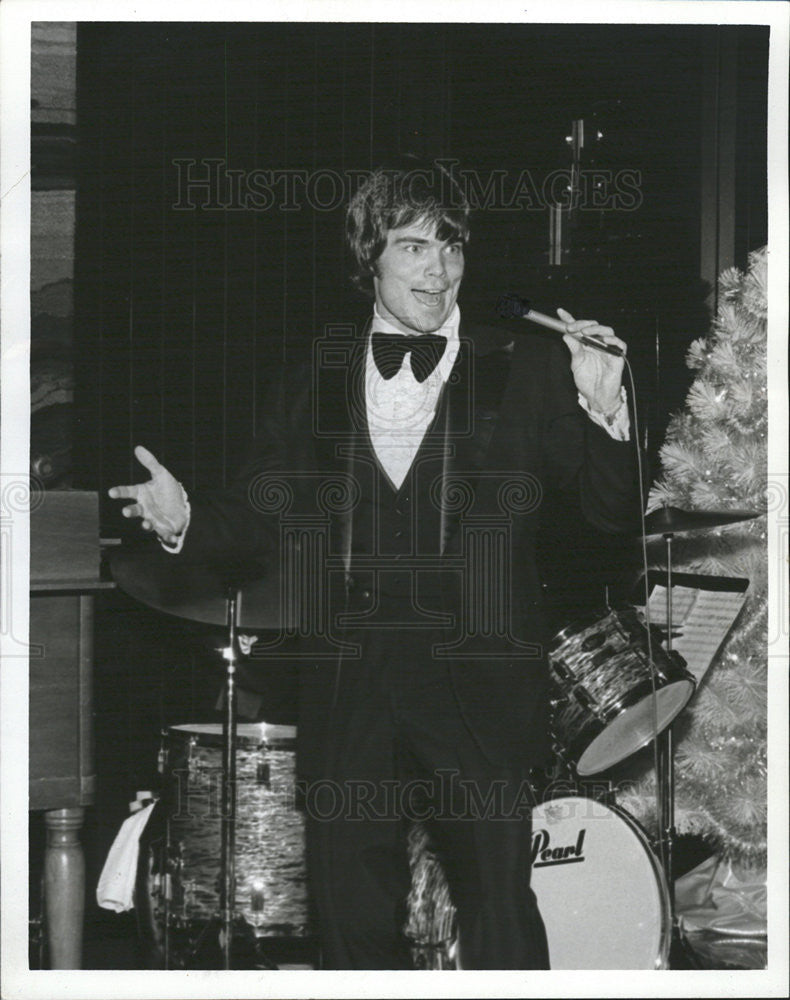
<point x="176" y="547"/>
<point x="618" y="424"/>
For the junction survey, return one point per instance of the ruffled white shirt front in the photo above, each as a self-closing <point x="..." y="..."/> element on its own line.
<point x="400" y="409"/>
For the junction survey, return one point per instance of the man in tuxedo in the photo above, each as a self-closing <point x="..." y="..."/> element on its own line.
<point x="441" y="440"/>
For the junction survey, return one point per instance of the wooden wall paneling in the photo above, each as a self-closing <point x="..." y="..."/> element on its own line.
<point x="55" y="679"/>
<point x="328" y="197"/>
<point x="268" y="155"/>
<point x="384" y="90"/>
<point x="116" y="258"/>
<point x="751" y="180"/>
<point x="300" y="95"/>
<point x="240" y="306"/>
<point x="424" y="92"/>
<point x="146" y="375"/>
<point x="212" y="266"/>
<point x="355" y="150"/>
<point x="355" y="70"/>
<point x="179" y="268"/>
<point x="89" y="267"/>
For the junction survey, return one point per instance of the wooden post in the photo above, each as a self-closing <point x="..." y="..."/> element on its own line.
<point x="717" y="235"/>
<point x="64" y="887"/>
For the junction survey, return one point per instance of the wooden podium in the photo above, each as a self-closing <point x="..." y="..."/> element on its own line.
<point x="64" y="575"/>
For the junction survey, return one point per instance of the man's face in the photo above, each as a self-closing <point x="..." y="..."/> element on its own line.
<point x="417" y="278"/>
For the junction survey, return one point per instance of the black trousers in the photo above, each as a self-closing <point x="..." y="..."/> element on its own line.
<point x="399" y="750"/>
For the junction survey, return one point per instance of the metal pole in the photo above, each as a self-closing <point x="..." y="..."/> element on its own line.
<point x="667" y="761"/>
<point x="228" y="859"/>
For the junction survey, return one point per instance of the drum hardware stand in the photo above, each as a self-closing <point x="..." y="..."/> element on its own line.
<point x="665" y="778"/>
<point x="228" y="827"/>
<point x="228" y="816"/>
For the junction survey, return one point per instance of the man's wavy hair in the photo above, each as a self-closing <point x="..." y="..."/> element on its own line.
<point x="410" y="190"/>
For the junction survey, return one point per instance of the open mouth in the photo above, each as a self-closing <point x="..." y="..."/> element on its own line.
<point x="428" y="297"/>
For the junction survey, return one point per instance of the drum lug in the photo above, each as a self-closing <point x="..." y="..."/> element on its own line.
<point x="562" y="671"/>
<point x="593" y="642"/>
<point x="263" y="773"/>
<point x="675" y="656"/>
<point x="599" y="658"/>
<point x="586" y="700"/>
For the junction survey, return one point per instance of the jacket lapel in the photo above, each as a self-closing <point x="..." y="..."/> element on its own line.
<point x="339" y="419"/>
<point x="474" y="401"/>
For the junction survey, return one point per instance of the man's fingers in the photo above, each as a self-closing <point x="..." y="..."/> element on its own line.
<point x="588" y="328"/>
<point x="611" y="339"/>
<point x="133" y="510"/>
<point x="123" y="492"/>
<point x="144" y="457"/>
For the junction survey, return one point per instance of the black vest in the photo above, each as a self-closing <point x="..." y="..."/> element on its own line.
<point x="396" y="533"/>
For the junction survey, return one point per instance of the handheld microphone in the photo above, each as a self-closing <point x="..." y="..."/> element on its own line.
<point x="512" y="306"/>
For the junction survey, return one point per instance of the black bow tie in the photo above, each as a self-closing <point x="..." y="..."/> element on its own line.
<point x="389" y="350"/>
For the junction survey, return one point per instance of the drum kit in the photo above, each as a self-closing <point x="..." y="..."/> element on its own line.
<point x="222" y="861"/>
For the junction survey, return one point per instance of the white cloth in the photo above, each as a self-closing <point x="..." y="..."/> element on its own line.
<point x="115" y="890"/>
<point x="400" y="409"/>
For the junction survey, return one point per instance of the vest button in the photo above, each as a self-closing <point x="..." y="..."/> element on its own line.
<point x="365" y="595"/>
<point x="399" y="533"/>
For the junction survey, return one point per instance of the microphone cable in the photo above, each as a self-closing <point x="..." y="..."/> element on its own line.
<point x="662" y="834"/>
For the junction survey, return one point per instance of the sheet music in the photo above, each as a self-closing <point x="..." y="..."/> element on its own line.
<point x="683" y="601"/>
<point x="701" y="620"/>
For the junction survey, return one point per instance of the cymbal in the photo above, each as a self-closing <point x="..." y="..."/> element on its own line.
<point x="197" y="592"/>
<point x="668" y="520"/>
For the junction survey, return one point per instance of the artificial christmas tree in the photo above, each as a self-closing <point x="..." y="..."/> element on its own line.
<point x="714" y="458"/>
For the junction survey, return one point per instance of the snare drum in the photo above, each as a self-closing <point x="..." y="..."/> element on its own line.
<point x="600" y="888"/>
<point x="271" y="883"/>
<point x="600" y="668"/>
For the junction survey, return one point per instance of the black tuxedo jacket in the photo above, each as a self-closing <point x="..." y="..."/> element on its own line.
<point x="513" y="434"/>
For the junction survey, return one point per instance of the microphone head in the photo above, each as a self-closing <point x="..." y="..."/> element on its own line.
<point x="512" y="306"/>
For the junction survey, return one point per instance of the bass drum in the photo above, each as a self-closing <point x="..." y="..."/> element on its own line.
<point x="600" y="889"/>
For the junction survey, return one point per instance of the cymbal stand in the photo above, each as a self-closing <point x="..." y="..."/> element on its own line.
<point x="666" y="763"/>
<point x="228" y="827"/>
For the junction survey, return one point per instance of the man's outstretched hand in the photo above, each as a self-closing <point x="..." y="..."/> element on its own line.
<point x="159" y="502"/>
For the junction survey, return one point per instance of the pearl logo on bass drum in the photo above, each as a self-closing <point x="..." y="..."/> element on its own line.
<point x="543" y="854"/>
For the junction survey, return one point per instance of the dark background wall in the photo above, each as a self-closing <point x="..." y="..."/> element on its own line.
<point x="180" y="313"/>
<point x="182" y="310"/>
